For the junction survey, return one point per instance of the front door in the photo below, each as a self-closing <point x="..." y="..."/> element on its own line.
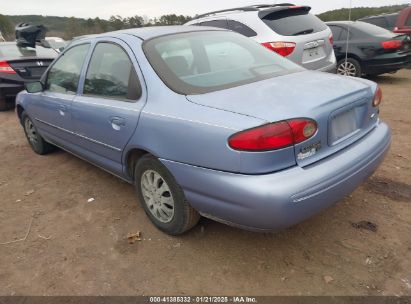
<point x="106" y="114"/>
<point x="52" y="108"/>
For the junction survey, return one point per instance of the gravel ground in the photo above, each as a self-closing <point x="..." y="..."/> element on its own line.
<point x="76" y="247"/>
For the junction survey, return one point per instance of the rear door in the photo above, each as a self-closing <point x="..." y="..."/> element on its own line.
<point x="313" y="48"/>
<point x="106" y="114"/>
<point x="52" y="108"/>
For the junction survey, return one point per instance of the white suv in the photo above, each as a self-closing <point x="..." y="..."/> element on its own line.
<point x="289" y="30"/>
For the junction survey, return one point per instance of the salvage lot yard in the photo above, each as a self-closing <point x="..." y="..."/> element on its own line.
<point x="76" y="247"/>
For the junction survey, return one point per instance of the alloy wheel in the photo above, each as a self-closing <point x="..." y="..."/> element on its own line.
<point x="347" y="68"/>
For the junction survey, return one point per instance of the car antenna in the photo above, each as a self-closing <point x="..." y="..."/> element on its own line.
<point x="348" y="37"/>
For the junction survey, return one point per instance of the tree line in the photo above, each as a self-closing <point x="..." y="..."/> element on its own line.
<point x="96" y="26"/>
<point x="71" y="27"/>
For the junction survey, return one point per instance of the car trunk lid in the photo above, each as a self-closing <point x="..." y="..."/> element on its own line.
<point x="340" y="106"/>
<point x="30" y="68"/>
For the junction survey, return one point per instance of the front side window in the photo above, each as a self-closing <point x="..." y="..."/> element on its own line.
<point x="202" y="62"/>
<point x="64" y="75"/>
<point x="111" y="74"/>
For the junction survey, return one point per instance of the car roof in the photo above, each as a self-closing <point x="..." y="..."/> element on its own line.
<point x="145" y="33"/>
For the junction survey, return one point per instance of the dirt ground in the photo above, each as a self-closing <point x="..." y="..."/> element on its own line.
<point x="76" y="247"/>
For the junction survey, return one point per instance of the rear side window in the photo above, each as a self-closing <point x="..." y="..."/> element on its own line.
<point x="344" y="34"/>
<point x="336" y="30"/>
<point x="294" y="22"/>
<point x="111" y="74"/>
<point x="64" y="75"/>
<point x="221" y="23"/>
<point x="241" y="28"/>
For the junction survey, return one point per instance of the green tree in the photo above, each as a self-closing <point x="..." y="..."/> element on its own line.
<point x="172" y="19"/>
<point x="135" y="21"/>
<point x="6" y="28"/>
<point x="117" y="22"/>
<point x="73" y="29"/>
<point x="359" y="12"/>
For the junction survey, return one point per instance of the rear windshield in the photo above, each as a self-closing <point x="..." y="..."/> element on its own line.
<point x="13" y="51"/>
<point x="371" y="29"/>
<point x="387" y="21"/>
<point x="294" y="23"/>
<point x="202" y="62"/>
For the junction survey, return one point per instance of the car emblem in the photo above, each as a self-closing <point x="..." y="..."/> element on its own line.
<point x="40" y="63"/>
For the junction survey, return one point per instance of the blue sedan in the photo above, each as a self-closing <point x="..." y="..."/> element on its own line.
<point x="206" y="122"/>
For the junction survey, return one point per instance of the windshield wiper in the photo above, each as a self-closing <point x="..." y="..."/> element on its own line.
<point x="308" y="31"/>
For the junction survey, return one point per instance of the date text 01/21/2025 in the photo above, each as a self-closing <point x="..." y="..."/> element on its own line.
<point x="203" y="299"/>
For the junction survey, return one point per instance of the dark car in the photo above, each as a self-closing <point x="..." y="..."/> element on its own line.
<point x="19" y="65"/>
<point x="365" y="49"/>
<point x="387" y="21"/>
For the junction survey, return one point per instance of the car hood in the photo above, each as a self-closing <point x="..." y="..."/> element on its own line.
<point x="288" y="96"/>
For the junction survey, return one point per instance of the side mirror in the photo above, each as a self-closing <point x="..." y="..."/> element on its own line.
<point x="34" y="87"/>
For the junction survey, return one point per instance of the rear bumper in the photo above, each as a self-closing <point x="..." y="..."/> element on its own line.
<point x="329" y="69"/>
<point x="10" y="89"/>
<point x="278" y="200"/>
<point x="386" y="64"/>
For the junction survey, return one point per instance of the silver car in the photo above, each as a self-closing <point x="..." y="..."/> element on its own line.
<point x="289" y="30"/>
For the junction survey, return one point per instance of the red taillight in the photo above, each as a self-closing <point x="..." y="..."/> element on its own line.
<point x="282" y="48"/>
<point x="377" y="97"/>
<point x="274" y="136"/>
<point x="331" y="38"/>
<point x="392" y="44"/>
<point x="6" y="68"/>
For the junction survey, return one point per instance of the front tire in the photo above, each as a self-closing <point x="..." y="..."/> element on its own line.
<point x="162" y="198"/>
<point x="37" y="143"/>
<point x="351" y="67"/>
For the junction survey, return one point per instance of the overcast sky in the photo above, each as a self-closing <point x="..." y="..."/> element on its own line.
<point x="154" y="8"/>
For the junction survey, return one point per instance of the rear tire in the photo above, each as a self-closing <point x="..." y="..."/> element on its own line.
<point x="162" y="198"/>
<point x="351" y="67"/>
<point x="37" y="143"/>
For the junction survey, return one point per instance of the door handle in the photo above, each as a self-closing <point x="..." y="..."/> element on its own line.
<point x="117" y="122"/>
<point x="62" y="110"/>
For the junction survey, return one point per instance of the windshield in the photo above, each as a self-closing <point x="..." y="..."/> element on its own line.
<point x="13" y="51"/>
<point x="202" y="62"/>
